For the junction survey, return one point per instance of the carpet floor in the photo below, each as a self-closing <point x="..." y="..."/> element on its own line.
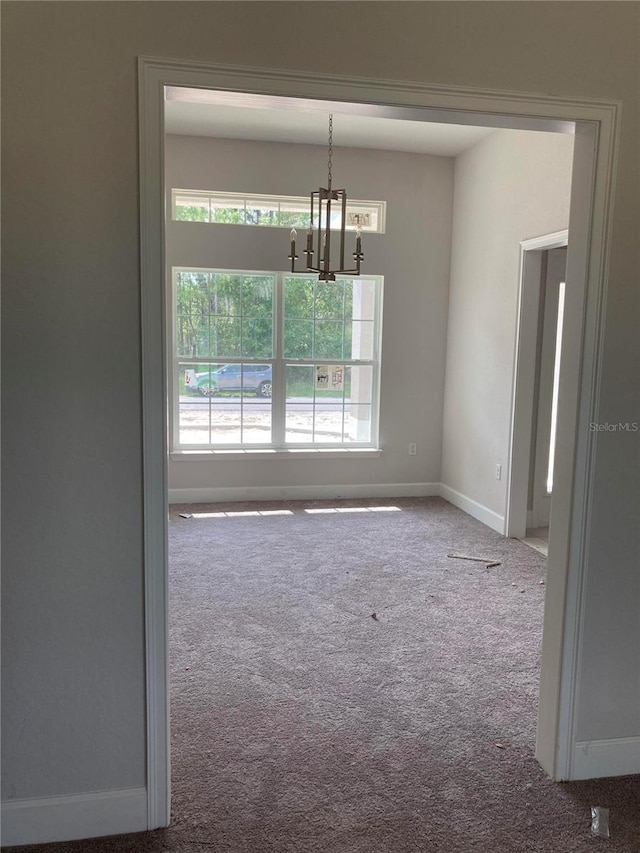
<point x="340" y="685"/>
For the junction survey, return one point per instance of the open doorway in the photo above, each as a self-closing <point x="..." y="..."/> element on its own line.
<point x="545" y="397"/>
<point x="540" y="328"/>
<point x="426" y="107"/>
<point x="206" y="220"/>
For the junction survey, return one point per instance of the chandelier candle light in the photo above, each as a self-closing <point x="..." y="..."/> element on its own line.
<point x="321" y="208"/>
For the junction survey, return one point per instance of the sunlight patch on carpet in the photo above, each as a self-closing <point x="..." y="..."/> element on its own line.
<point x="325" y="510"/>
<point x="261" y="513"/>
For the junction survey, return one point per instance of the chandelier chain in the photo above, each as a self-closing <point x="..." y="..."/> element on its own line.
<point x="330" y="145"/>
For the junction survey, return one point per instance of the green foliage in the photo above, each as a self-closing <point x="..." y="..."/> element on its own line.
<point x="317" y="317"/>
<point x="230" y="315"/>
<point x="293" y="219"/>
<point x="192" y="213"/>
<point x="227" y="315"/>
<point x="235" y="216"/>
<point x="239" y="216"/>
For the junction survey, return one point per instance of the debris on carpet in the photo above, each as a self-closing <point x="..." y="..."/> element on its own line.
<point x="489" y="561"/>
<point x="600" y="822"/>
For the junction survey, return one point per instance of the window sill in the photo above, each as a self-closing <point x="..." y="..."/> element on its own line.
<point x="280" y="455"/>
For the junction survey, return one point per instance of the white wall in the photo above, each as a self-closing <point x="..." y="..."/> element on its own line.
<point x="73" y="687"/>
<point x="509" y="187"/>
<point x="413" y="256"/>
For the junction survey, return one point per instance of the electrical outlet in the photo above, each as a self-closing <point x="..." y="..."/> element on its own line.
<point x="413" y="448"/>
<point x="498" y="472"/>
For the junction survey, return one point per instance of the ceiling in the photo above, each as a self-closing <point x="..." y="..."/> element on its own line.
<point x="202" y="112"/>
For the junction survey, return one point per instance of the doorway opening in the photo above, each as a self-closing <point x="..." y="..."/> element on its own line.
<point x="212" y="406"/>
<point x="428" y="104"/>
<point x="542" y="293"/>
<point x="537" y="385"/>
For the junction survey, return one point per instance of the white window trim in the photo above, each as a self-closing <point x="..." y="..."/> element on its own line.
<point x="279" y="361"/>
<point x="319" y="454"/>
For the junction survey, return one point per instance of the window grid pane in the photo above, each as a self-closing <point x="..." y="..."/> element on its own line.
<point x="343" y="415"/>
<point x="223" y="404"/>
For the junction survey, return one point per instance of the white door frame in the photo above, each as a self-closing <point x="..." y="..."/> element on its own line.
<point x="596" y="125"/>
<point x="523" y="393"/>
<point x="550" y="318"/>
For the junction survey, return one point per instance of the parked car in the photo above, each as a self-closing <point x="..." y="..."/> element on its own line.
<point x="231" y="377"/>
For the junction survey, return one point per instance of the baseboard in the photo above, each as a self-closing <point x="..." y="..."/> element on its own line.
<point x="48" y="819"/>
<point x="233" y="494"/>
<point x="303" y="493"/>
<point x="473" y="508"/>
<point x="594" y="759"/>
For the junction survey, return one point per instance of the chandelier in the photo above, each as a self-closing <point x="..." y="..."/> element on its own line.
<point x="328" y="207"/>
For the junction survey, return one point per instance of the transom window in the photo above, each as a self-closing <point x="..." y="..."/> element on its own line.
<point x="274" y="360"/>
<point x="277" y="211"/>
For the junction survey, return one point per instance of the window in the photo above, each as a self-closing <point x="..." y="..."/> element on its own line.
<point x="274" y="211"/>
<point x="274" y="360"/>
<point x="556" y="389"/>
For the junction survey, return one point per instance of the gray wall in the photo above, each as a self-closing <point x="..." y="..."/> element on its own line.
<point x="73" y="701"/>
<point x="509" y="187"/>
<point x="413" y="256"/>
